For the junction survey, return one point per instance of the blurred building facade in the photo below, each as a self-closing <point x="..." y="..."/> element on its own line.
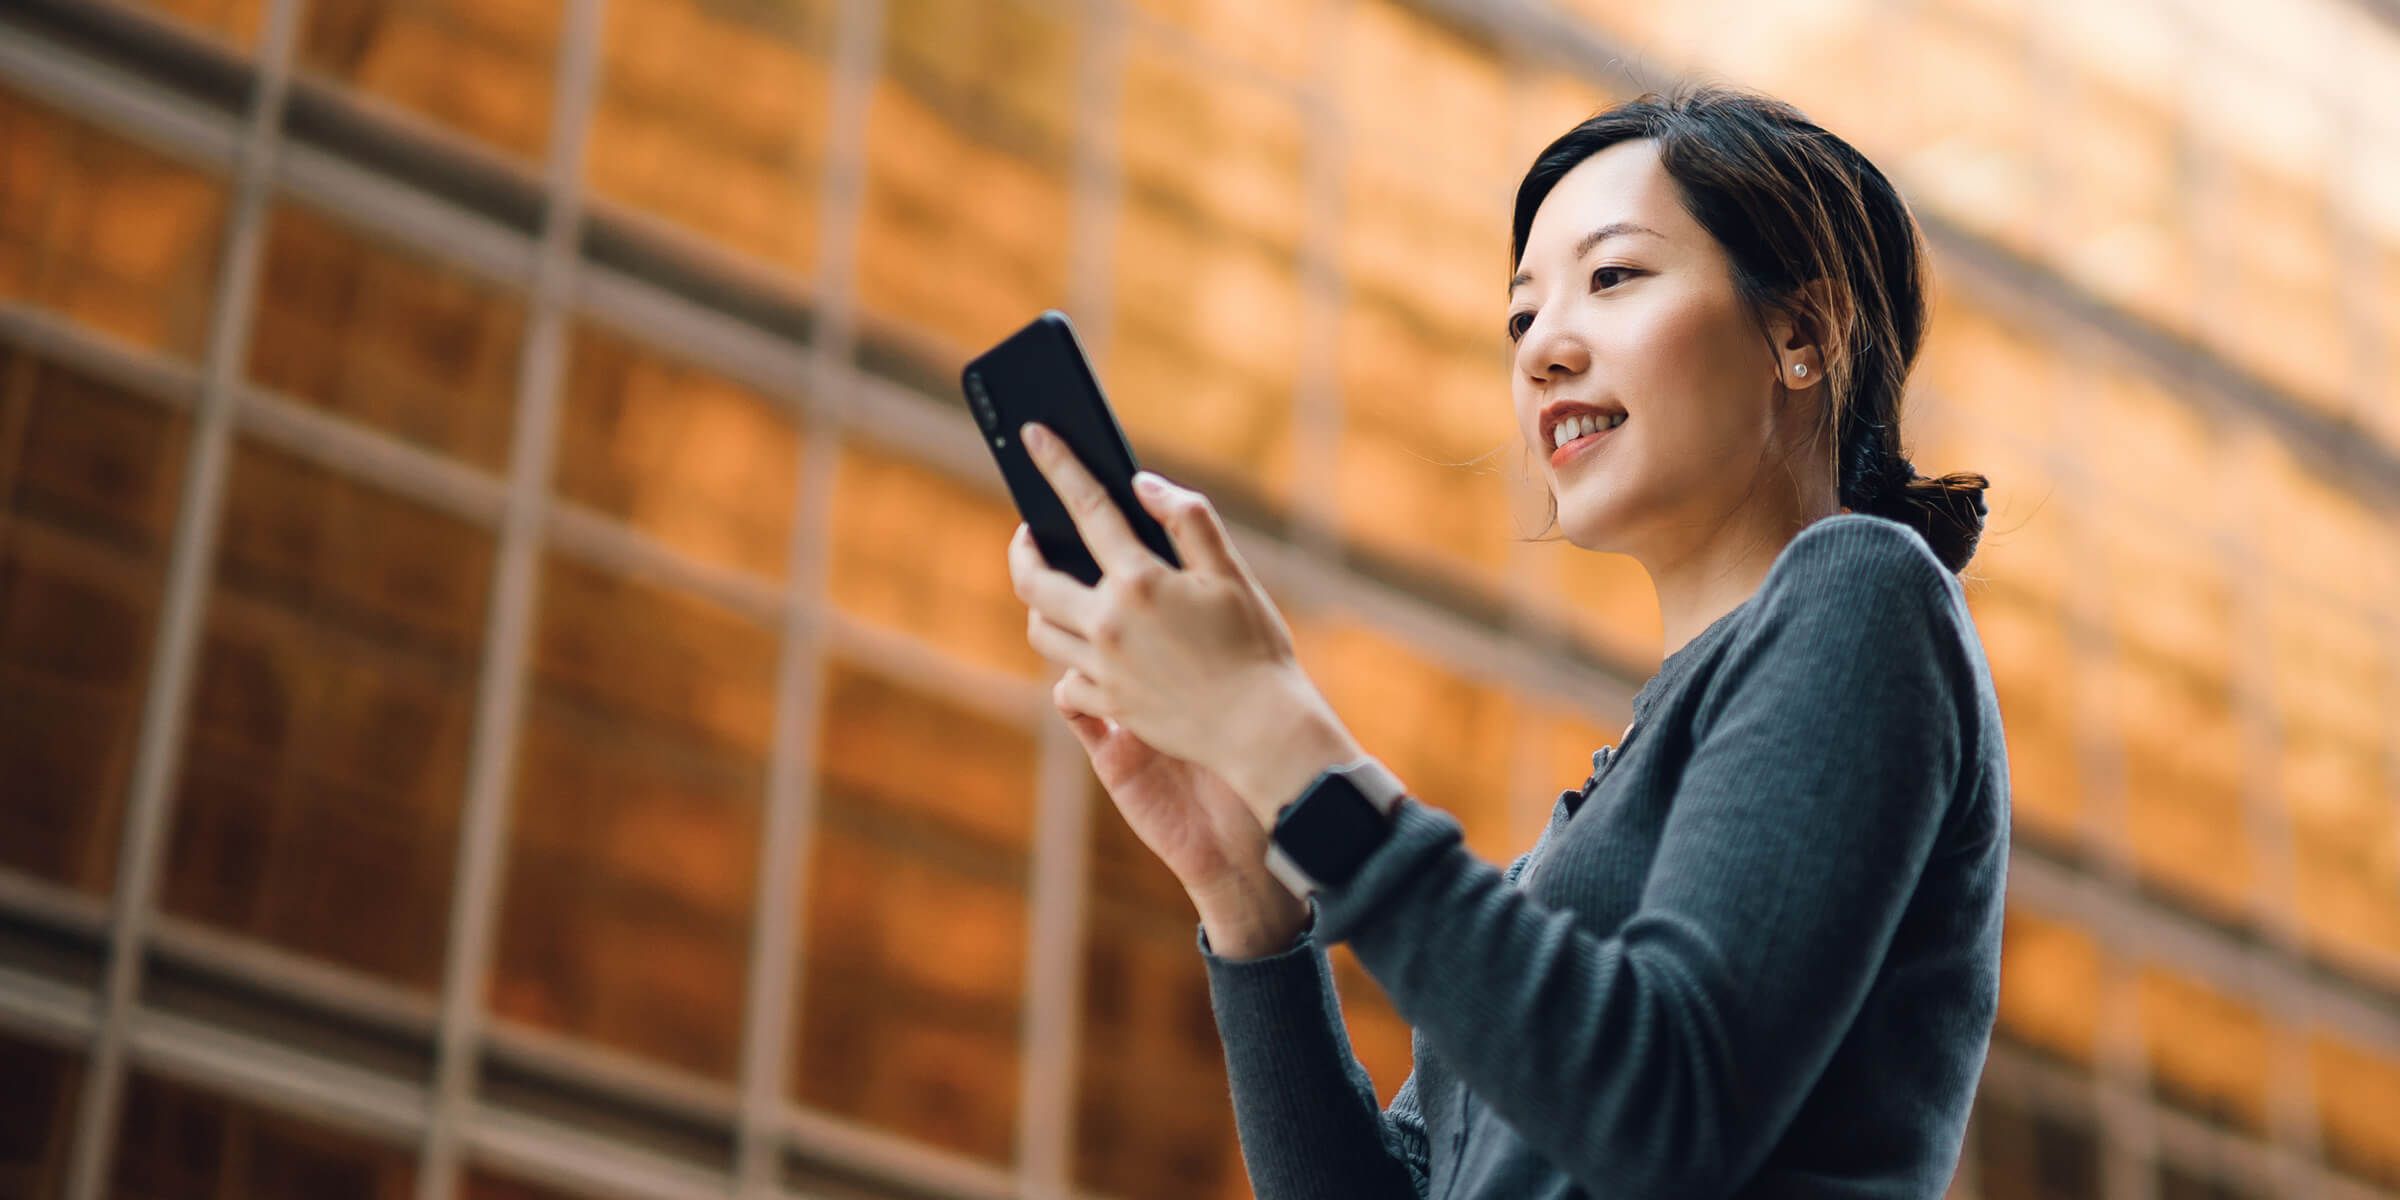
<point x="508" y="680"/>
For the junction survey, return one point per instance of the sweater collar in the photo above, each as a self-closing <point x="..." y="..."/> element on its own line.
<point x="1676" y="666"/>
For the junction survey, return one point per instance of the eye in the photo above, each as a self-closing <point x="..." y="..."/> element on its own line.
<point x="1610" y="271"/>
<point x="1518" y="323"/>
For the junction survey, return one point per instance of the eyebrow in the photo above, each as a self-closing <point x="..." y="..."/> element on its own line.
<point x="1588" y="241"/>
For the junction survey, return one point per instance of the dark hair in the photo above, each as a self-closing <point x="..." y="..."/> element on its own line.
<point x="1792" y="204"/>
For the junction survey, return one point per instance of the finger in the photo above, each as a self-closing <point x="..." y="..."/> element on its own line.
<point x="1046" y="590"/>
<point x="1096" y="517"/>
<point x="1191" y="523"/>
<point x="1060" y="645"/>
<point x="1088" y="729"/>
<point x="1075" y="692"/>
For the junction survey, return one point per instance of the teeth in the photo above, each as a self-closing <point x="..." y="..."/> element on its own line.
<point x="1570" y="428"/>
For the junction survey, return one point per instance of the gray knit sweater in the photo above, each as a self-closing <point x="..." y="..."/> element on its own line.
<point x="1756" y="954"/>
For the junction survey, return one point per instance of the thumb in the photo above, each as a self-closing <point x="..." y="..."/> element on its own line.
<point x="1191" y="523"/>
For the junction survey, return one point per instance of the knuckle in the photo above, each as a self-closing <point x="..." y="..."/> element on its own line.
<point x="1108" y="630"/>
<point x="1143" y="582"/>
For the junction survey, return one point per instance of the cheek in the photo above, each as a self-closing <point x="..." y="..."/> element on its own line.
<point x="1689" y="382"/>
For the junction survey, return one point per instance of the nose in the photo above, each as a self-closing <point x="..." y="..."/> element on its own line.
<point x="1552" y="353"/>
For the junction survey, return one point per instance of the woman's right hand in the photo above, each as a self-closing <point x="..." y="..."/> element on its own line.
<point x="1199" y="828"/>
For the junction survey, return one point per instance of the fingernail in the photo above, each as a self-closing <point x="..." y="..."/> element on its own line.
<point x="1036" y="438"/>
<point x="1148" y="484"/>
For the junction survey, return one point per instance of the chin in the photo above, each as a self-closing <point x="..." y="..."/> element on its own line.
<point x="1591" y="519"/>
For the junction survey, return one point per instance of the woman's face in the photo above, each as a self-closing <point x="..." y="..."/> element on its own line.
<point x="1643" y="323"/>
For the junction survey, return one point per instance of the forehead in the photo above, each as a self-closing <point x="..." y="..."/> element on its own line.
<point x="1625" y="182"/>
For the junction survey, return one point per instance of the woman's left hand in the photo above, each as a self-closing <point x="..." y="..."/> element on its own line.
<point x="1196" y="662"/>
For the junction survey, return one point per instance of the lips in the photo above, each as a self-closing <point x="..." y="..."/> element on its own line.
<point x="1584" y="444"/>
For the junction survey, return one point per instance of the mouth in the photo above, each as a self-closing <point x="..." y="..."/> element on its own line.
<point x="1577" y="435"/>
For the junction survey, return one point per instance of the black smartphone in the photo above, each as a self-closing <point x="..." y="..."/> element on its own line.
<point x="1039" y="373"/>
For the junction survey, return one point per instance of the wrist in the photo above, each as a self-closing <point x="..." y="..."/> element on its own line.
<point x="1249" y="915"/>
<point x="1289" y="745"/>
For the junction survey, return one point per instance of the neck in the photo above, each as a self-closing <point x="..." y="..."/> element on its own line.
<point x="1703" y="580"/>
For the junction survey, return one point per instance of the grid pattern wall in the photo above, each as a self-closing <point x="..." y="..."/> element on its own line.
<point x="508" y="680"/>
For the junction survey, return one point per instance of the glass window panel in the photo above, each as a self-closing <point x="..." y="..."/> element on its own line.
<point x="105" y="232"/>
<point x="2312" y="528"/>
<point x="2050" y="985"/>
<point x="1274" y="36"/>
<point x="913" y="973"/>
<point x="177" y="1141"/>
<point x="2187" y="824"/>
<point x="2358" y="1090"/>
<point x="478" y="67"/>
<point x="1151" y="1115"/>
<point x="1970" y="134"/>
<point x="2034" y="664"/>
<point x="235" y="21"/>
<point x="2381" y="414"/>
<point x="2183" y="1183"/>
<point x="713" y="116"/>
<point x="2332" y="695"/>
<point x="1215" y="147"/>
<point x="2023" y="1152"/>
<point x="1450" y="738"/>
<point x="634" y="852"/>
<point x="927" y="554"/>
<point x="1546" y="104"/>
<point x="2277" y="292"/>
<point x="386" y="336"/>
<point x="89" y="477"/>
<point x="2135" y="432"/>
<point x="2209" y="1052"/>
<point x="1429" y="448"/>
<point x="1408" y="82"/>
<point x="2122" y="229"/>
<point x="1204" y="347"/>
<point x="964" y="229"/>
<point x="37" y="1117"/>
<point x="318" y="802"/>
<point x="1377" y="1034"/>
<point x="679" y="452"/>
<point x="483" y="1186"/>
<point x="1990" y="372"/>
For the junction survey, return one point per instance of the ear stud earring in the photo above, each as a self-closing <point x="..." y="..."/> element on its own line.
<point x="1800" y="370"/>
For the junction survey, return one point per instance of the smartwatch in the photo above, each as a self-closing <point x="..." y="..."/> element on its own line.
<point x="1321" y="839"/>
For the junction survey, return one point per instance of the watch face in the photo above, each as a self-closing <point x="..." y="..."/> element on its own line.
<point x="1331" y="829"/>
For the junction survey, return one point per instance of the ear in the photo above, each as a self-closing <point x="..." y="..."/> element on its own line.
<point x="1797" y="333"/>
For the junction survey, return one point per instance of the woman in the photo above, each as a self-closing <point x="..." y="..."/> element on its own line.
<point x="1758" y="952"/>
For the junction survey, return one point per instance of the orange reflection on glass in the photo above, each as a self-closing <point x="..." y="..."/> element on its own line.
<point x="106" y="233"/>
<point x="318" y="802"/>
<point x="634" y="854"/>
<point x="964" y="229"/>
<point x="679" y="452"/>
<point x="88" y="484"/>
<point x="913" y="970"/>
<point x="386" y="336"/>
<point x="478" y="67"/>
<point x="2358" y="1090"/>
<point x="237" y="22"/>
<point x="37" y="1116"/>
<point x="714" y="118"/>
<point x="177" y="1141"/>
<point x="2209" y="1052"/>
<point x="1146" y="1017"/>
<point x="1450" y="738"/>
<point x="919" y="550"/>
<point x="2050" y="985"/>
